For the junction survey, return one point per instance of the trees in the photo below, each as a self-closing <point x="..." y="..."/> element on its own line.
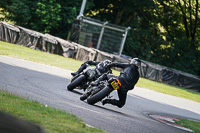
<point x="162" y="31"/>
<point x="52" y="16"/>
<point x="119" y="12"/>
<point x="179" y="20"/>
<point x="39" y="15"/>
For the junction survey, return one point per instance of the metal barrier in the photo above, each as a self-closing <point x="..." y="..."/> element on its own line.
<point x="101" y="35"/>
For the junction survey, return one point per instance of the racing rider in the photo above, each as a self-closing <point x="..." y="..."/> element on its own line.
<point x="101" y="67"/>
<point x="128" y="77"/>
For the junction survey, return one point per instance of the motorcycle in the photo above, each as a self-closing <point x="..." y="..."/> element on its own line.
<point x="82" y="80"/>
<point x="95" y="94"/>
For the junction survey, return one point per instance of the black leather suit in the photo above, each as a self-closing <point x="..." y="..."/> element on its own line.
<point x="99" y="65"/>
<point x="128" y="77"/>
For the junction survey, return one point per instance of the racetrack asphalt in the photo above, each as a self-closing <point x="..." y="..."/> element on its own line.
<point x="47" y="85"/>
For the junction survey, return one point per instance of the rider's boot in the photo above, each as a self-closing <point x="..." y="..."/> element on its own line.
<point x="74" y="73"/>
<point x="83" y="66"/>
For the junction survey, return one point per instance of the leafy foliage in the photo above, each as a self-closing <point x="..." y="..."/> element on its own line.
<point x="48" y="11"/>
<point x="53" y="16"/>
<point x="180" y="20"/>
<point x="39" y="15"/>
<point x="162" y="31"/>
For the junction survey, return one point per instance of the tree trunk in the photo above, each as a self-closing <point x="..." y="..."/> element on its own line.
<point x="129" y="18"/>
<point x="119" y="16"/>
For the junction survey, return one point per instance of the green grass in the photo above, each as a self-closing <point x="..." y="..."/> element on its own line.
<point x="51" y="119"/>
<point x="25" y="53"/>
<point x="169" y="89"/>
<point x="56" y="121"/>
<point x="193" y="125"/>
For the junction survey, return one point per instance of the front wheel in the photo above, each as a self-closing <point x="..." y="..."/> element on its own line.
<point x="99" y="95"/>
<point x="76" y="82"/>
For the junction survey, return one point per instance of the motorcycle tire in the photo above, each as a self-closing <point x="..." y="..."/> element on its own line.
<point x="99" y="95"/>
<point x="76" y="82"/>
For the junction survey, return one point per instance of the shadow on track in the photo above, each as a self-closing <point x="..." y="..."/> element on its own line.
<point x="76" y="92"/>
<point x="101" y="107"/>
<point x="111" y="110"/>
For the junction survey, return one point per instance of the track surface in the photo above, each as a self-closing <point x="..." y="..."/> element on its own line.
<point x="47" y="85"/>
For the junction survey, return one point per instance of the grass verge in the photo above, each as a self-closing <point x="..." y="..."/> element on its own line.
<point x="169" y="89"/>
<point x="193" y="125"/>
<point x="57" y="121"/>
<point x="25" y="53"/>
<point x="51" y="119"/>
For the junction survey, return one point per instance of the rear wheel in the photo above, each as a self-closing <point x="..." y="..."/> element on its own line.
<point x="76" y="82"/>
<point x="92" y="99"/>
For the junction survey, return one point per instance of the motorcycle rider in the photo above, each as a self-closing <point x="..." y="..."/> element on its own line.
<point x="128" y="77"/>
<point x="101" y="67"/>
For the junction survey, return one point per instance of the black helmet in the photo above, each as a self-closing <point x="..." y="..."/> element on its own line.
<point x="106" y="62"/>
<point x="136" y="62"/>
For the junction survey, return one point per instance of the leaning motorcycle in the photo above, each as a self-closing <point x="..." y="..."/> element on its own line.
<point x="95" y="94"/>
<point x="82" y="80"/>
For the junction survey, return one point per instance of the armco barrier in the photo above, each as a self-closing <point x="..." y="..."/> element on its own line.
<point x="9" y="33"/>
<point x="28" y="37"/>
